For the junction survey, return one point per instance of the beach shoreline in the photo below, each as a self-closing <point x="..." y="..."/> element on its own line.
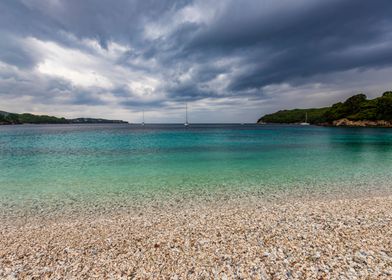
<point x="244" y="237"/>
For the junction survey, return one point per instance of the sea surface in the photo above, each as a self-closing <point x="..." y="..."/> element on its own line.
<point x="41" y="163"/>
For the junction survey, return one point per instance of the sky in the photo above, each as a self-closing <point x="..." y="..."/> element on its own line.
<point x="230" y="61"/>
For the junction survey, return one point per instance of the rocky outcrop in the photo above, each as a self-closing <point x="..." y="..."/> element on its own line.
<point x="363" y="123"/>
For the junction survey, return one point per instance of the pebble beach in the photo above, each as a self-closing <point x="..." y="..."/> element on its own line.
<point x="195" y="139"/>
<point x="246" y="237"/>
<point x="205" y="202"/>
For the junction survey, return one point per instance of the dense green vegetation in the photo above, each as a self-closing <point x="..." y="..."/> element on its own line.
<point x="11" y="118"/>
<point x="315" y="115"/>
<point x="355" y="108"/>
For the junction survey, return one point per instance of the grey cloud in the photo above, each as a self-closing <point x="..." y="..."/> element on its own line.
<point x="304" y="42"/>
<point x="188" y="93"/>
<point x="122" y="91"/>
<point x="138" y="105"/>
<point x="46" y="90"/>
<point x="14" y="53"/>
<point x="85" y="98"/>
<point x="273" y="42"/>
<point x="103" y="20"/>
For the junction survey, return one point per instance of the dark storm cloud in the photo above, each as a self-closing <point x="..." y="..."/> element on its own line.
<point x="190" y="50"/>
<point x="140" y="104"/>
<point x="103" y="20"/>
<point x="14" y="53"/>
<point x="83" y="97"/>
<point x="188" y="93"/>
<point x="305" y="41"/>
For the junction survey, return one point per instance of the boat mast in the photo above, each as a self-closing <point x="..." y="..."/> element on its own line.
<point x="186" y="113"/>
<point x="143" y="118"/>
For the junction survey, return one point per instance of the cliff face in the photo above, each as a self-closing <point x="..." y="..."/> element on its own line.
<point x="363" y="123"/>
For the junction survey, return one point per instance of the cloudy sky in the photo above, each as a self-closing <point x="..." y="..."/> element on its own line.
<point x="231" y="61"/>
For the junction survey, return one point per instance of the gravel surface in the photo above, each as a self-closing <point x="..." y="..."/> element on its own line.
<point x="236" y="238"/>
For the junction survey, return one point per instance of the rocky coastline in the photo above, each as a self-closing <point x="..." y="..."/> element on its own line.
<point x="346" y="123"/>
<point x="363" y="123"/>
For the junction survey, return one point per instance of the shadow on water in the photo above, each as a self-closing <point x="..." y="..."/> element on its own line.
<point x="361" y="151"/>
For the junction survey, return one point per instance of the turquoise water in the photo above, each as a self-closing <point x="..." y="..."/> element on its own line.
<point x="42" y="162"/>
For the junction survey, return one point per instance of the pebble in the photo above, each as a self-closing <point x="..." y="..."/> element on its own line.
<point x="236" y="238"/>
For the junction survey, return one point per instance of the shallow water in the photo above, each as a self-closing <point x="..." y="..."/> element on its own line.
<point x="82" y="162"/>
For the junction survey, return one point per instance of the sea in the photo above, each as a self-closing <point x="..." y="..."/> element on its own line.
<point x="43" y="164"/>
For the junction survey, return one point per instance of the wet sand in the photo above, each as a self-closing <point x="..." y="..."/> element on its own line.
<point x="245" y="237"/>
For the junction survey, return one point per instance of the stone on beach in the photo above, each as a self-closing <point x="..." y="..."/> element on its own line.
<point x="238" y="238"/>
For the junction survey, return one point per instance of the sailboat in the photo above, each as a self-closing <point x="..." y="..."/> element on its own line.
<point x="306" y="120"/>
<point x="143" y="118"/>
<point x="186" y="115"/>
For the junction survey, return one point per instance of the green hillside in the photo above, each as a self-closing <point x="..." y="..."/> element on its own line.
<point x="12" y="118"/>
<point x="355" y="108"/>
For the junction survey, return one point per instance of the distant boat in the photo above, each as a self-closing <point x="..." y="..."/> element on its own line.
<point x="186" y="115"/>
<point x="143" y="119"/>
<point x="306" y="120"/>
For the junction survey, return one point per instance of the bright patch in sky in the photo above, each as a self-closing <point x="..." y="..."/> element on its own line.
<point x="231" y="61"/>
